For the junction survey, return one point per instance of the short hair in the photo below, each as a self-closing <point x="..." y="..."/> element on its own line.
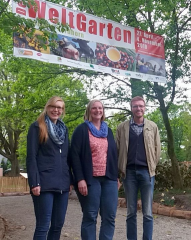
<point x="137" y="98"/>
<point x="87" y="115"/>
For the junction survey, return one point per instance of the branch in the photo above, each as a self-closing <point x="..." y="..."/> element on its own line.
<point x="143" y="14"/>
<point x="8" y="156"/>
<point x="121" y="80"/>
<point x="117" y="20"/>
<point x="186" y="29"/>
<point x="182" y="27"/>
<point x="4" y="143"/>
<point x="118" y="108"/>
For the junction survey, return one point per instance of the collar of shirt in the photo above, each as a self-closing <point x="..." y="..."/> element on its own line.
<point x="135" y="127"/>
<point x="133" y="123"/>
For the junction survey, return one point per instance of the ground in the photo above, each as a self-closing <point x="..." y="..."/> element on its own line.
<point x="179" y="200"/>
<point x="19" y="214"/>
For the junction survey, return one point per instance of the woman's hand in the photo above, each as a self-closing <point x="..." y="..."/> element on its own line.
<point x="82" y="187"/>
<point x="118" y="183"/>
<point x="71" y="188"/>
<point x="36" y="191"/>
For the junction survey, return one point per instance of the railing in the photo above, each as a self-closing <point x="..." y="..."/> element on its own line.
<point x="13" y="184"/>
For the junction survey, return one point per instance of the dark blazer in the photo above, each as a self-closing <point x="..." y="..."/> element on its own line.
<point x="47" y="164"/>
<point x="81" y="157"/>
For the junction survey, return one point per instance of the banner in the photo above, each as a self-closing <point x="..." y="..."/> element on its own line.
<point x="93" y="43"/>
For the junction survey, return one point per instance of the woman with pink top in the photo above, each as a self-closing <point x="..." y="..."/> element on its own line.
<point x="94" y="164"/>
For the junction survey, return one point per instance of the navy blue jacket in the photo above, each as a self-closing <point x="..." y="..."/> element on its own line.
<point x="47" y="164"/>
<point x="81" y="157"/>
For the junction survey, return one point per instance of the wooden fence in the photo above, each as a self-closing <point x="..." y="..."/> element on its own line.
<point x="13" y="184"/>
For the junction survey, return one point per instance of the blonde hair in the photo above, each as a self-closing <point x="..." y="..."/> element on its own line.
<point x="87" y="115"/>
<point x="43" y="134"/>
<point x="137" y="98"/>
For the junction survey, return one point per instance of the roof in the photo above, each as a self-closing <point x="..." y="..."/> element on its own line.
<point x="24" y="175"/>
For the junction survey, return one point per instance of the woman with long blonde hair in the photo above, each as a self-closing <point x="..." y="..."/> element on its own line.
<point x="48" y="169"/>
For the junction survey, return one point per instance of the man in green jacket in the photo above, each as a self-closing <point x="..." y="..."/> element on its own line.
<point x="139" y="148"/>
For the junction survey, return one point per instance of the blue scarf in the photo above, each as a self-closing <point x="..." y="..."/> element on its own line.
<point x="57" y="132"/>
<point x="102" y="133"/>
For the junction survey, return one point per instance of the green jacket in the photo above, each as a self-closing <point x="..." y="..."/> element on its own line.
<point x="152" y="145"/>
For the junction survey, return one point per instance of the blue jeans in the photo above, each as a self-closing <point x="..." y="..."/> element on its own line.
<point x="103" y="198"/>
<point x="50" y="210"/>
<point x="135" y="180"/>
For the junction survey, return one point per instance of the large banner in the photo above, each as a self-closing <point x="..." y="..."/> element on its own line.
<point x="93" y="43"/>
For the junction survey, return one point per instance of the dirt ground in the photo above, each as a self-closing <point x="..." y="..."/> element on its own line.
<point x="19" y="216"/>
<point x="181" y="201"/>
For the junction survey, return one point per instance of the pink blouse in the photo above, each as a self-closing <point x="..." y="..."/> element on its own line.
<point x="98" y="148"/>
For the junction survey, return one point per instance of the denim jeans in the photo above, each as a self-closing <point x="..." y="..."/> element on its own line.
<point x="103" y="198"/>
<point x="50" y="210"/>
<point x="135" y="180"/>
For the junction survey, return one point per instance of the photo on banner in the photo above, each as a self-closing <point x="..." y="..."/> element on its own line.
<point x="92" y="43"/>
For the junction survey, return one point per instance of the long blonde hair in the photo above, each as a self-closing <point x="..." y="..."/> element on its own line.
<point x="43" y="133"/>
<point x="87" y="115"/>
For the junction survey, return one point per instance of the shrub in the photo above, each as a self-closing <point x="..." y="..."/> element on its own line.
<point x="163" y="179"/>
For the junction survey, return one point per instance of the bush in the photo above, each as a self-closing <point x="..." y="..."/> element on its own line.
<point x="163" y="179"/>
<point x="186" y="175"/>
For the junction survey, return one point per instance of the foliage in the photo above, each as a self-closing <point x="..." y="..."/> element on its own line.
<point x="5" y="164"/>
<point x="179" y="117"/>
<point x="115" y="120"/>
<point x="186" y="175"/>
<point x="164" y="177"/>
<point x="161" y="180"/>
<point x="166" y="199"/>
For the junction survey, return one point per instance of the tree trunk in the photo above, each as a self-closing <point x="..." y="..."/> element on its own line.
<point x="176" y="177"/>
<point x="15" y="169"/>
<point x="177" y="180"/>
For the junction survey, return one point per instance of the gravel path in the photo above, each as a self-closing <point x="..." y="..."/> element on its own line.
<point x="19" y="215"/>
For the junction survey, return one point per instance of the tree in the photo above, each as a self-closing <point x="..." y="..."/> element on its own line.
<point x="25" y="87"/>
<point x="172" y="19"/>
<point x="180" y="119"/>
